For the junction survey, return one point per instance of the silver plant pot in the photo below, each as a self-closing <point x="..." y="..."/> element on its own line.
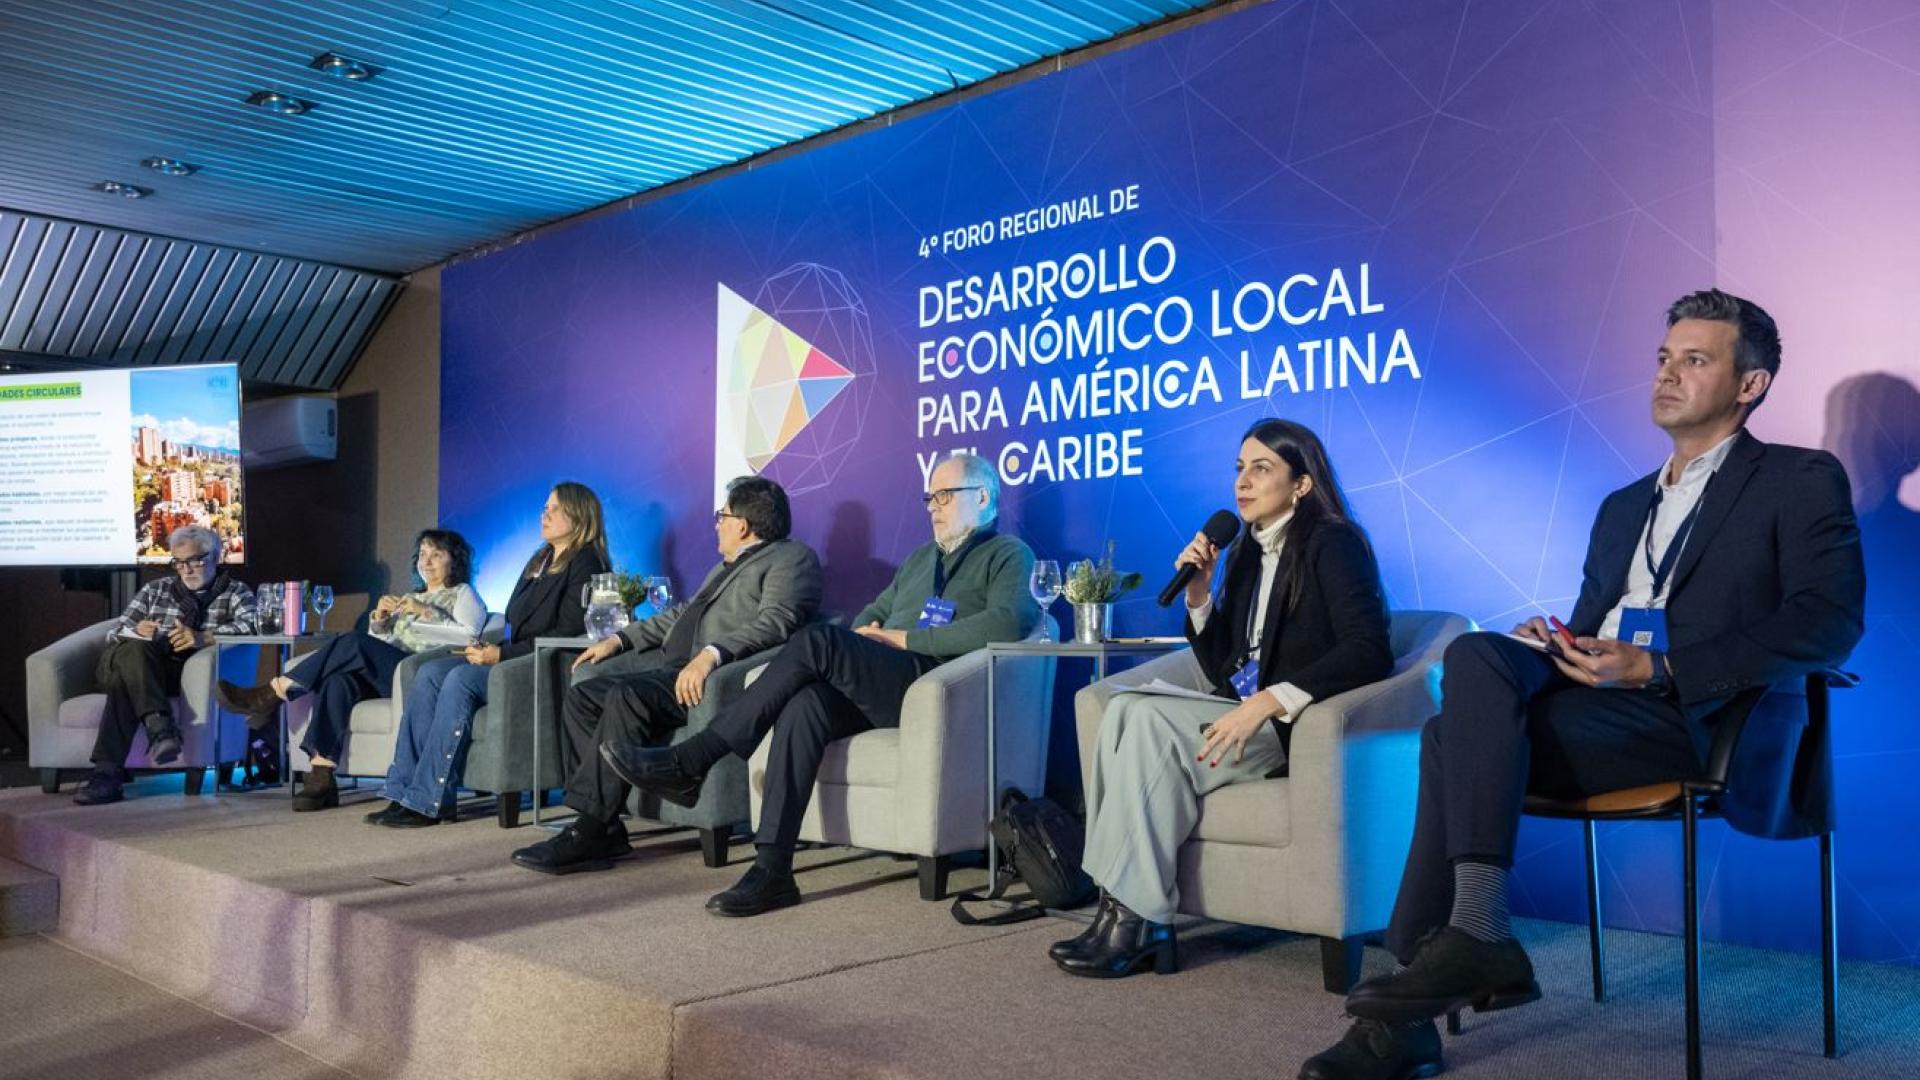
<point x="1092" y="623"/>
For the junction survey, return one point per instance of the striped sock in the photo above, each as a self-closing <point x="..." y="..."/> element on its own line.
<point x="1480" y="901"/>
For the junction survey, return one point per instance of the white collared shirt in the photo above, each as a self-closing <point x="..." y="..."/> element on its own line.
<point x="1271" y="539"/>
<point x="1677" y="500"/>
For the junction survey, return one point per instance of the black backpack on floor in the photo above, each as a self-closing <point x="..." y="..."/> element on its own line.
<point x="1040" y="843"/>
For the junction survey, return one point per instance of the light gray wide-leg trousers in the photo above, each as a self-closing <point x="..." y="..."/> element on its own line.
<point x="1145" y="797"/>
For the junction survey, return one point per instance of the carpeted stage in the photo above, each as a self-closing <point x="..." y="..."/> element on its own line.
<point x="390" y="953"/>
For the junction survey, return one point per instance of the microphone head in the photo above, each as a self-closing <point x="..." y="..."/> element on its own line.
<point x="1221" y="528"/>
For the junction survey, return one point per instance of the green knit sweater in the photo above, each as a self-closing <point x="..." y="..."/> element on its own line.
<point x="988" y="591"/>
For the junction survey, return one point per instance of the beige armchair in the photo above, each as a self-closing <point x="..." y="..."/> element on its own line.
<point x="1320" y="851"/>
<point x="64" y="707"/>
<point x="920" y="789"/>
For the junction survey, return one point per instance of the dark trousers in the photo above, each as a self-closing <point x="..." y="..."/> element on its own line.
<point x="825" y="684"/>
<point x="638" y="706"/>
<point x="342" y="673"/>
<point x="140" y="679"/>
<point x="1511" y="724"/>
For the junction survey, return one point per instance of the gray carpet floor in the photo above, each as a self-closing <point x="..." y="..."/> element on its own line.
<point x="426" y="953"/>
<point x="67" y="1016"/>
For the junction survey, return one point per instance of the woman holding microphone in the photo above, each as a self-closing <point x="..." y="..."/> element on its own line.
<point x="1299" y="617"/>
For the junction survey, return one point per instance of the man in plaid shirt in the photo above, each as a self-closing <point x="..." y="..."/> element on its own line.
<point x="140" y="670"/>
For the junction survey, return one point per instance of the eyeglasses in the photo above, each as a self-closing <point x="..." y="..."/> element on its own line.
<point x="719" y="514"/>
<point x="182" y="564"/>
<point x="943" y="496"/>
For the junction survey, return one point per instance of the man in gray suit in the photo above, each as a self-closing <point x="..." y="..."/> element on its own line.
<point x="764" y="589"/>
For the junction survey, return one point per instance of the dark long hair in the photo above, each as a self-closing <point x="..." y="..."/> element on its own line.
<point x="1305" y="455"/>
<point x="459" y="555"/>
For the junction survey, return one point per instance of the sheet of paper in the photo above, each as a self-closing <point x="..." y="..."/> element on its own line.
<point x="1163" y="687"/>
<point x="445" y="633"/>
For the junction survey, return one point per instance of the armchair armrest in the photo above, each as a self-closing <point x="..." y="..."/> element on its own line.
<point x="1353" y="775"/>
<point x="62" y="670"/>
<point x="724" y="684"/>
<point x="1090" y="704"/>
<point x="941" y="790"/>
<point x="1731" y="721"/>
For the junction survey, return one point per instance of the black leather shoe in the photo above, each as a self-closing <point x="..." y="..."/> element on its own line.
<point x="1103" y="917"/>
<point x="575" y="848"/>
<point x="404" y="818"/>
<point x="380" y="816"/>
<point x="1451" y="970"/>
<point x="1372" y="1050"/>
<point x="259" y="704"/>
<point x="163" y="745"/>
<point x="654" y="770"/>
<point x="1127" y="943"/>
<point x="759" y="891"/>
<point x="98" y="790"/>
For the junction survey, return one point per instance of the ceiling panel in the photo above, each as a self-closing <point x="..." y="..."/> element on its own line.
<point x="486" y="119"/>
<point x="104" y="296"/>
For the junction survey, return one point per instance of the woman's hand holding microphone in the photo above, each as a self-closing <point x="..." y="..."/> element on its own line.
<point x="1201" y="554"/>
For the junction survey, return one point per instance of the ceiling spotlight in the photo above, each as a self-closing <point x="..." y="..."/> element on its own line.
<point x="343" y="67"/>
<point x="275" y="102"/>
<point x="115" y="187"/>
<point x="170" y="166"/>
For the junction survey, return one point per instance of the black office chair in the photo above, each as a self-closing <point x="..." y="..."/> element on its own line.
<point x="1689" y="801"/>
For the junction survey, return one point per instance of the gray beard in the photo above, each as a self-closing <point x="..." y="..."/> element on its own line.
<point x="950" y="545"/>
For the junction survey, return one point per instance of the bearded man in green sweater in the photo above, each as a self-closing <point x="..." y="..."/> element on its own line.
<point x="965" y="588"/>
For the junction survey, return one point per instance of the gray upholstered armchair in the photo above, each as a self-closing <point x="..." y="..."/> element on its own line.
<point x="64" y="706"/>
<point x="1320" y="851"/>
<point x="920" y="789"/>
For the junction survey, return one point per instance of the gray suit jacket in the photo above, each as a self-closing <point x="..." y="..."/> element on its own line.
<point x="773" y="594"/>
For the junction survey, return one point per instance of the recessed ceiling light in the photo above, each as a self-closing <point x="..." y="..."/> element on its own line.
<point x="343" y="67"/>
<point x="170" y="166"/>
<point x="275" y="102"/>
<point x="115" y="187"/>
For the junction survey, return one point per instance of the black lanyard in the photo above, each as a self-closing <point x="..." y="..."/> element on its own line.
<point x="1671" y="556"/>
<point x="940" y="573"/>
<point x="1255" y="643"/>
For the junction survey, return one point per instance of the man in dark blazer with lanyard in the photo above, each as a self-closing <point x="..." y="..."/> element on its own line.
<point x="1736" y="566"/>
<point x="966" y="588"/>
<point x="765" y="587"/>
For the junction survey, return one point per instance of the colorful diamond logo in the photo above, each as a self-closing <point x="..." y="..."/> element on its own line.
<point x="771" y="383"/>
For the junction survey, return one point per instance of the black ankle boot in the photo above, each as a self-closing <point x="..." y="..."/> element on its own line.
<point x="1103" y="917"/>
<point x="320" y="791"/>
<point x="1127" y="942"/>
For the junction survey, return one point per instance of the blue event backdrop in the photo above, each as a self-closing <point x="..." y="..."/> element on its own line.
<point x="1521" y="187"/>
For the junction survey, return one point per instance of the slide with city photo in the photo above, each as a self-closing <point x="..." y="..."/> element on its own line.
<point x="98" y="467"/>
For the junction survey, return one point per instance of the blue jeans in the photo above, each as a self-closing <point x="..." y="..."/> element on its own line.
<point x="436" y="728"/>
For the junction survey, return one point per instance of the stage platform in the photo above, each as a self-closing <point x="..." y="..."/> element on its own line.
<point x="388" y="953"/>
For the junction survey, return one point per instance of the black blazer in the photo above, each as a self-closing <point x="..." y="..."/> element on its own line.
<point x="549" y="605"/>
<point x="1334" y="639"/>
<point x="1770" y="588"/>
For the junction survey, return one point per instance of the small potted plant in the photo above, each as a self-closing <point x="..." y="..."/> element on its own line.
<point x="1091" y="588"/>
<point x="633" y="590"/>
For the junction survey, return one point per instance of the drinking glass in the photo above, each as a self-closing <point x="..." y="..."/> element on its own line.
<point x="267" y="599"/>
<point x="322" y="599"/>
<point x="1045" y="585"/>
<point x="659" y="592"/>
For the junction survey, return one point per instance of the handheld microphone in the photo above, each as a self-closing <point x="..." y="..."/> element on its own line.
<point x="1221" y="528"/>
